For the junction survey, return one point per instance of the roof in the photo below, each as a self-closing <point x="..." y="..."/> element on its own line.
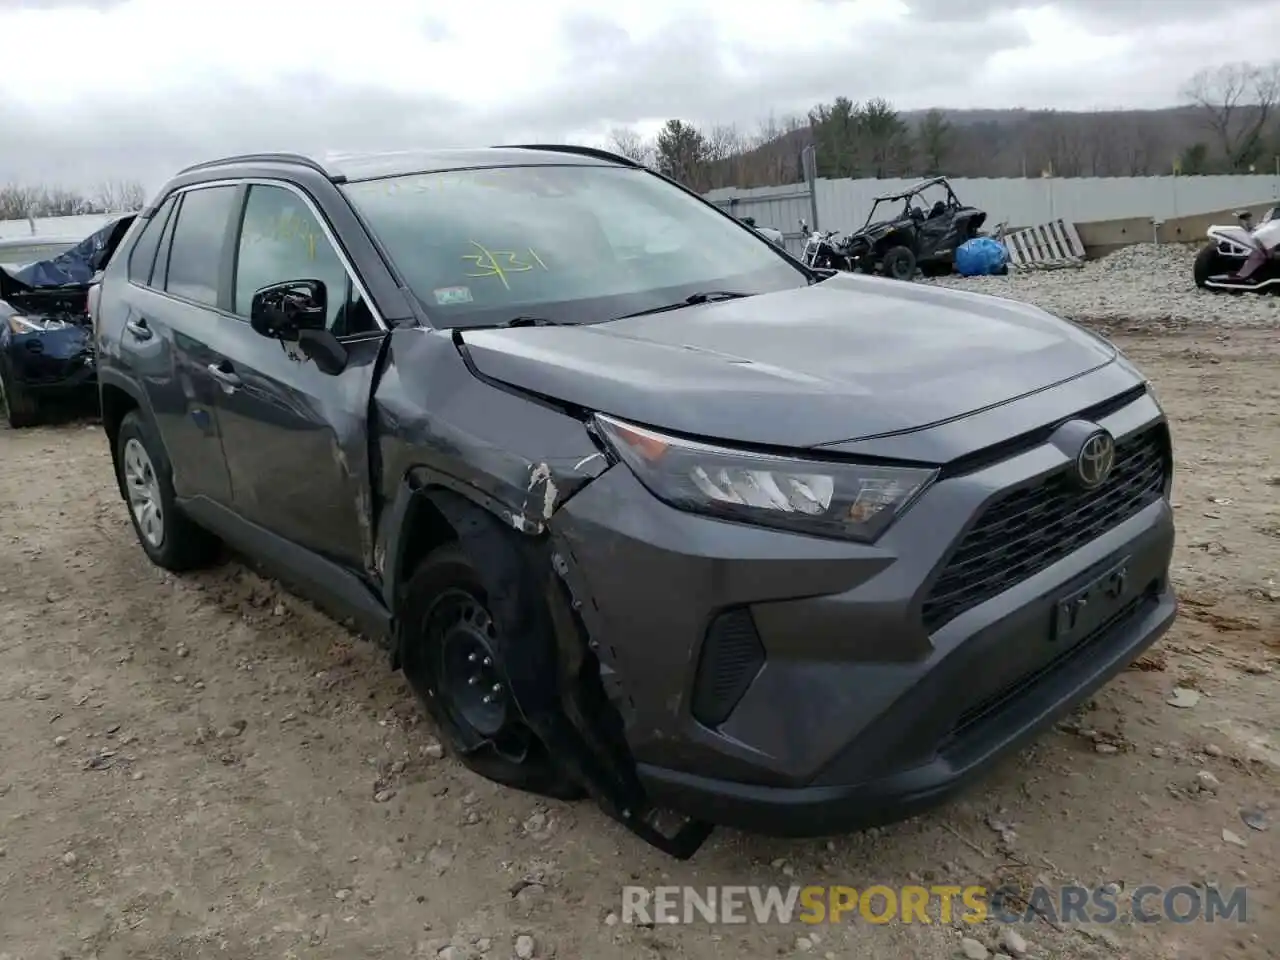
<point x="914" y="188"/>
<point x="348" y="167"/>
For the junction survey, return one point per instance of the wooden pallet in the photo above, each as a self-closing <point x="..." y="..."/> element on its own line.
<point x="1049" y="246"/>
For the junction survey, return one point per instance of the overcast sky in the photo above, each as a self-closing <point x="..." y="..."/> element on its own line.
<point x="135" y="88"/>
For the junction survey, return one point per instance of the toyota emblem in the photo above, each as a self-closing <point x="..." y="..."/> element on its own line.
<point x="1096" y="458"/>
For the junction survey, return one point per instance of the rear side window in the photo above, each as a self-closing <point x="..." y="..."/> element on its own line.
<point x="161" y="271"/>
<point x="195" y="255"/>
<point x="143" y="256"/>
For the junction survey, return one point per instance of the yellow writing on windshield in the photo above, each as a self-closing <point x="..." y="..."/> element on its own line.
<point x="286" y="228"/>
<point x="499" y="263"/>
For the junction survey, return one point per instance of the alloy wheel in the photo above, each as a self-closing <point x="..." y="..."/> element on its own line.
<point x="143" y="492"/>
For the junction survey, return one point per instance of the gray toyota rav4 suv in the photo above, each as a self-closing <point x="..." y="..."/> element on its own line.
<point x="644" y="509"/>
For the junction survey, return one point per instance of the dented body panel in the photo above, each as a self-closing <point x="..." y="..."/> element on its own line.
<point x="437" y="421"/>
<point x="436" y="425"/>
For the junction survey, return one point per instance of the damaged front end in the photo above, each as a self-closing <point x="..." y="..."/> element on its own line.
<point x="45" y="327"/>
<point x="494" y="471"/>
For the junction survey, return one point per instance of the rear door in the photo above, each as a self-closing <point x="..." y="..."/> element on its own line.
<point x="295" y="437"/>
<point x="174" y="287"/>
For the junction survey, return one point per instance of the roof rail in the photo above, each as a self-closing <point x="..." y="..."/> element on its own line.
<point x="293" y="158"/>
<point x="595" y="152"/>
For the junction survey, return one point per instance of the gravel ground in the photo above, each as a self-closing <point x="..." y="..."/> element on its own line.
<point x="205" y="766"/>
<point x="1139" y="288"/>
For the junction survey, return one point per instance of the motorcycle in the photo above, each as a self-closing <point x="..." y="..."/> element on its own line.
<point x="823" y="251"/>
<point x="1241" y="258"/>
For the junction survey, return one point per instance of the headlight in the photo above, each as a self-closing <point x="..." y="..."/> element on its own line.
<point x="20" y="324"/>
<point x="828" y="498"/>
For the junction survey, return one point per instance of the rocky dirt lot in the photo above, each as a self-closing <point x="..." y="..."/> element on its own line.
<point x="205" y="766"/>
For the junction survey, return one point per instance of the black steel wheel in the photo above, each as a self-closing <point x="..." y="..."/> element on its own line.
<point x="454" y="650"/>
<point x="899" y="263"/>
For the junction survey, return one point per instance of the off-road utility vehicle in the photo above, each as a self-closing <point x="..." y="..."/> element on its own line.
<point x="923" y="233"/>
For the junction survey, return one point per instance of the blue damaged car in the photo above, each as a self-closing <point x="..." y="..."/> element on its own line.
<point x="46" y="333"/>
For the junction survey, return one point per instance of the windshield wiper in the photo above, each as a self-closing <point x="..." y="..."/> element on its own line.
<point x="524" y="320"/>
<point x="703" y="296"/>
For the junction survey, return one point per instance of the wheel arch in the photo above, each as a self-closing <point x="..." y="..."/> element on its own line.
<point x="428" y="510"/>
<point x="117" y="397"/>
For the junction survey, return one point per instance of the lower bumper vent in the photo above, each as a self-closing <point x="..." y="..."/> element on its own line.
<point x="731" y="657"/>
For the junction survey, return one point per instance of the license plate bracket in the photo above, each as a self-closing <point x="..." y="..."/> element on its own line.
<point x="1086" y="608"/>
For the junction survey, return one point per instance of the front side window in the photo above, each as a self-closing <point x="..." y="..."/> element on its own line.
<point x="195" y="255"/>
<point x="571" y="243"/>
<point x="281" y="241"/>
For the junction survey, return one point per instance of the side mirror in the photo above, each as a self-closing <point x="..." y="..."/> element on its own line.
<point x="283" y="310"/>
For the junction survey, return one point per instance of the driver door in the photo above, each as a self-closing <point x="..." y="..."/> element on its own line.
<point x="295" y="436"/>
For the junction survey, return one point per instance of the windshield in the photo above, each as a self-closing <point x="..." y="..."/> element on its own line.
<point x="572" y="243"/>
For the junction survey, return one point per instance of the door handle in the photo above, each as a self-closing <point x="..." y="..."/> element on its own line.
<point x="139" y="329"/>
<point x="227" y="378"/>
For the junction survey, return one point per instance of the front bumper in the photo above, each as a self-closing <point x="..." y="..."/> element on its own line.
<point x="54" y="360"/>
<point x="856" y="713"/>
<point x="900" y="792"/>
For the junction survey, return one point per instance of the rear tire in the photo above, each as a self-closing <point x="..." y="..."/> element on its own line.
<point x="898" y="263"/>
<point x="458" y="645"/>
<point x="168" y="536"/>
<point x="20" y="408"/>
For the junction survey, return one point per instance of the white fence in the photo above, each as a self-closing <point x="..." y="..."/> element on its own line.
<point x="844" y="204"/>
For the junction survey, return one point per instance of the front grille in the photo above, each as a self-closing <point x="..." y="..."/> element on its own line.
<point x="1031" y="528"/>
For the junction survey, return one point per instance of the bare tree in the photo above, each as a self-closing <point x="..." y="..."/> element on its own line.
<point x="773" y="151"/>
<point x="1236" y="101"/>
<point x="18" y="202"/>
<point x="725" y="156"/>
<point x="61" y="202"/>
<point x="120" y="196"/>
<point x="628" y="143"/>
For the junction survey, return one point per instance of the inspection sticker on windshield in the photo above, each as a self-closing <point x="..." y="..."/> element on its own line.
<point x="448" y="296"/>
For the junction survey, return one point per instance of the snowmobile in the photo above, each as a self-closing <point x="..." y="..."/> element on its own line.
<point x="1241" y="258"/>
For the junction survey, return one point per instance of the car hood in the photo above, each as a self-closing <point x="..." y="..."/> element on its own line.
<point x="849" y="358"/>
<point x="74" y="268"/>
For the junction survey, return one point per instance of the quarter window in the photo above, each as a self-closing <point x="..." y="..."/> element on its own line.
<point x="143" y="256"/>
<point x="281" y="240"/>
<point x="195" y="255"/>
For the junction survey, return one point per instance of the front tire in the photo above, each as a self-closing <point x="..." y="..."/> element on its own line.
<point x="168" y="536"/>
<point x="19" y="407"/>
<point x="459" y="646"/>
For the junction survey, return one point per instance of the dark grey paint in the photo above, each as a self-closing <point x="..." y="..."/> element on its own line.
<point x="318" y="475"/>
<point x="850" y="358"/>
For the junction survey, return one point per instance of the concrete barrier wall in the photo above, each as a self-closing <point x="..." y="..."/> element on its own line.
<point x="1100" y="237"/>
